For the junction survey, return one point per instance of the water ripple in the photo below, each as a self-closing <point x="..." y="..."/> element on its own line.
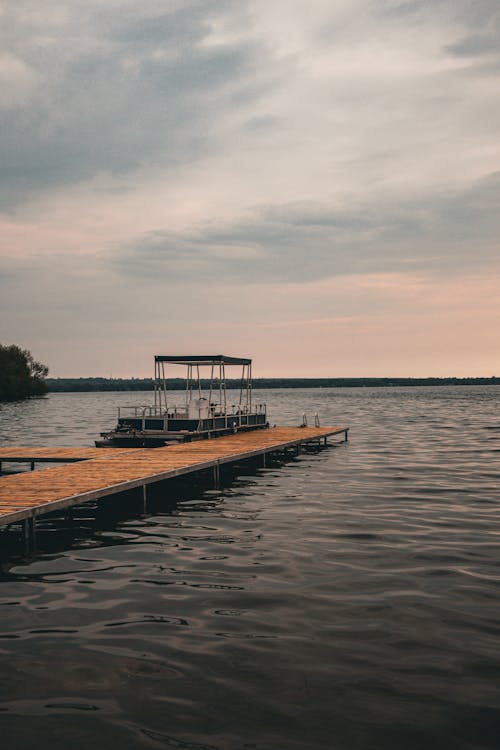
<point x="341" y="599"/>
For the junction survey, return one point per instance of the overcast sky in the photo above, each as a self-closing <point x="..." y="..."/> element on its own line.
<point x="315" y="185"/>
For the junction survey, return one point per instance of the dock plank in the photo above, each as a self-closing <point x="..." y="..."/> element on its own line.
<point x="55" y="454"/>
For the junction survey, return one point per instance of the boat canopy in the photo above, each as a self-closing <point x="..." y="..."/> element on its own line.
<point x="202" y="359"/>
<point x="196" y="385"/>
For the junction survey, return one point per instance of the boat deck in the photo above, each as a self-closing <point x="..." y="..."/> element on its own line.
<point x="99" y="472"/>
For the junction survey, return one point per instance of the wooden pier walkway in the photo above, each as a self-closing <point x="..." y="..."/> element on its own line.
<point x="93" y="473"/>
<point x="54" y="455"/>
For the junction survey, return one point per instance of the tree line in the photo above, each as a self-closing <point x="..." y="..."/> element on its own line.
<point x="146" y="384"/>
<point x="21" y="376"/>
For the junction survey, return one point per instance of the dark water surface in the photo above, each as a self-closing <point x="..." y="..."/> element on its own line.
<point x="344" y="599"/>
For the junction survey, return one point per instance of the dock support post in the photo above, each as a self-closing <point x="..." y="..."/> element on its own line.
<point x="0" y="468"/>
<point x="29" y="535"/>
<point x="32" y="466"/>
<point x="263" y="460"/>
<point x="346" y="437"/>
<point x="216" y="476"/>
<point x="145" y="498"/>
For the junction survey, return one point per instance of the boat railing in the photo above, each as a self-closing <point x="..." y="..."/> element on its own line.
<point x="236" y="416"/>
<point x="136" y="410"/>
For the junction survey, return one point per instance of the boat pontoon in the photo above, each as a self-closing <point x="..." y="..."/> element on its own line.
<point x="208" y="409"/>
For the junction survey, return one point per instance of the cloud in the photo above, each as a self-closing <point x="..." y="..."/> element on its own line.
<point x="482" y="32"/>
<point x="475" y="46"/>
<point x="98" y="89"/>
<point x="355" y="88"/>
<point x="202" y="155"/>
<point x="307" y="240"/>
<point x="474" y="13"/>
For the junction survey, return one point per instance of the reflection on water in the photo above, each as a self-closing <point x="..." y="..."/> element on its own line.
<point x="343" y="599"/>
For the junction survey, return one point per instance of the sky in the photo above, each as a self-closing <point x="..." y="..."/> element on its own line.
<point x="312" y="184"/>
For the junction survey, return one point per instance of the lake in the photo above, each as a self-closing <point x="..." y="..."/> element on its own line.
<point x="344" y="599"/>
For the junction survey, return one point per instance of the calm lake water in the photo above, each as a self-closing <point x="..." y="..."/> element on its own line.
<point x="344" y="599"/>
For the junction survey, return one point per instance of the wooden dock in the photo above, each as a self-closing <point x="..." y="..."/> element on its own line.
<point x="93" y="473"/>
<point x="53" y="455"/>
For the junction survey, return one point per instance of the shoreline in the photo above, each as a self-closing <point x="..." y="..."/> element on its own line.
<point x="61" y="385"/>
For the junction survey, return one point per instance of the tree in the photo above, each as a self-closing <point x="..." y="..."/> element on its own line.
<point x="21" y="376"/>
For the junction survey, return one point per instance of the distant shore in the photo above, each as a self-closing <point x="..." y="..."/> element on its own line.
<point x="58" y="385"/>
